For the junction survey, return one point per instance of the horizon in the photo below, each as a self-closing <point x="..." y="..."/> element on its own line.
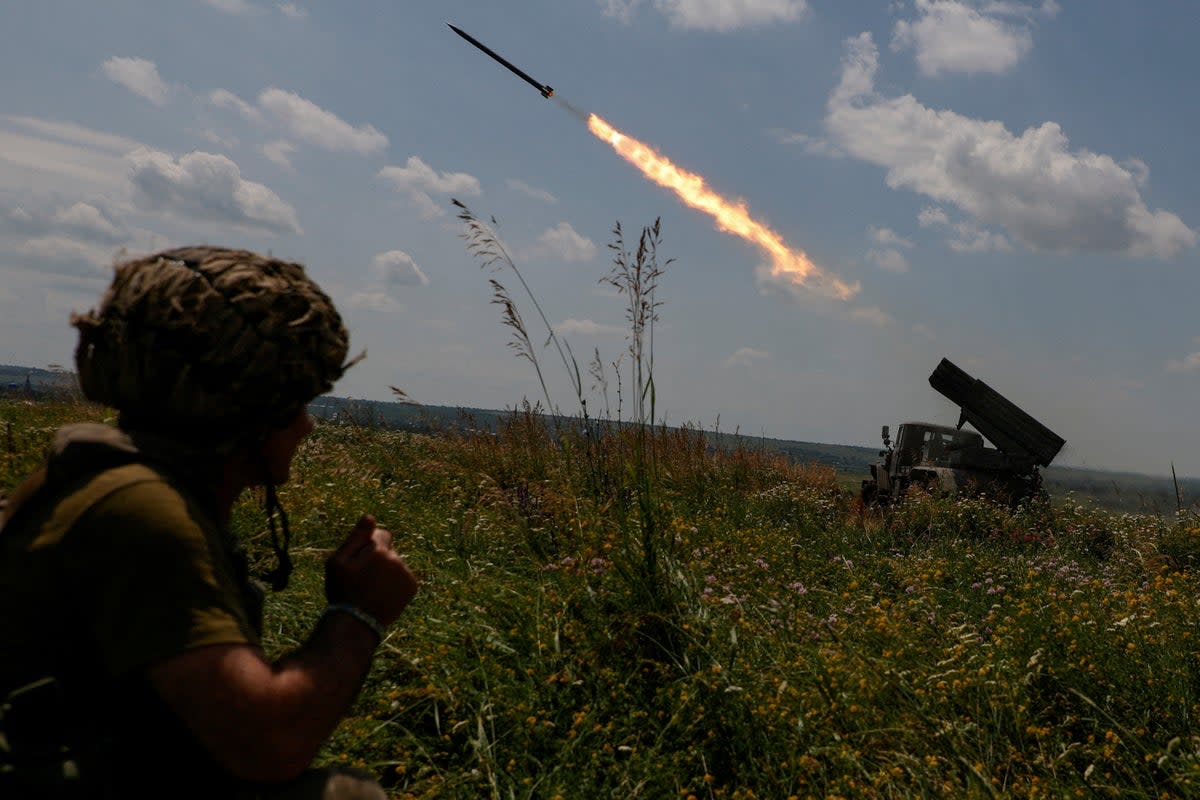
<point x="737" y="433"/>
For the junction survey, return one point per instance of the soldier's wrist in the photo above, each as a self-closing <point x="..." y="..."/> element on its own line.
<point x="358" y="614"/>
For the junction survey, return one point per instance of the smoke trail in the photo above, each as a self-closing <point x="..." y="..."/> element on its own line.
<point x="578" y="113"/>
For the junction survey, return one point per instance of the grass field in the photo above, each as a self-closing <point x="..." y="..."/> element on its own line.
<point x="630" y="615"/>
<point x="623" y="611"/>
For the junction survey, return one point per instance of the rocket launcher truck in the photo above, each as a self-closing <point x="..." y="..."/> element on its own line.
<point x="944" y="458"/>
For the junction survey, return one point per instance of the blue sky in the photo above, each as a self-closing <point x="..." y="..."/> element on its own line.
<point x="1008" y="184"/>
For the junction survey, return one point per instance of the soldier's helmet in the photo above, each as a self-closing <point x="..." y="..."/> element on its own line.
<point x="210" y="344"/>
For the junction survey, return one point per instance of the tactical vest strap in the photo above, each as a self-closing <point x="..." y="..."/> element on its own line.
<point x="100" y="486"/>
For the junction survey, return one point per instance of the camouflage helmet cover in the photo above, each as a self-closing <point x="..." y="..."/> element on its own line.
<point x="207" y="341"/>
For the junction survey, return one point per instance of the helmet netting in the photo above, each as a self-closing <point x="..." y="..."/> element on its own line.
<point x="209" y="341"/>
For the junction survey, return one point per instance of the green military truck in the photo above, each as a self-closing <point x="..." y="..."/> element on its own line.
<point x="945" y="458"/>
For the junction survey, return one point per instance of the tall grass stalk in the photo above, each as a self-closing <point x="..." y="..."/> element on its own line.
<point x="635" y="274"/>
<point x="484" y="243"/>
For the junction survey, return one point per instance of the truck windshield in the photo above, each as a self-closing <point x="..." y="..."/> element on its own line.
<point x="938" y="445"/>
<point x="929" y="445"/>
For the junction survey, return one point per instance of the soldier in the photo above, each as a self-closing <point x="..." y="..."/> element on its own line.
<point x="129" y="625"/>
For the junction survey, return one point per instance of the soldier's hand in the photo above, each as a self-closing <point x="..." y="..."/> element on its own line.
<point x="366" y="572"/>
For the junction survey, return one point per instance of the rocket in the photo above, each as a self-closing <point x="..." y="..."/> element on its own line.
<point x="544" y="89"/>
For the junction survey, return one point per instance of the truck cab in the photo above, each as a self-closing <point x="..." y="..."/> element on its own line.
<point x="921" y="443"/>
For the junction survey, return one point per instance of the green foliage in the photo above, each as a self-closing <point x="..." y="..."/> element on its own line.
<point x="27" y="428"/>
<point x="950" y="648"/>
<point x="953" y="648"/>
<point x="1180" y="543"/>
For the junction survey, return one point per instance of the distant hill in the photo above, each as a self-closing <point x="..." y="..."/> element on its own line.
<point x="14" y="377"/>
<point x="408" y="416"/>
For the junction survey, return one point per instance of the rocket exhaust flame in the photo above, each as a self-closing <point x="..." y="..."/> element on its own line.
<point x="792" y="265"/>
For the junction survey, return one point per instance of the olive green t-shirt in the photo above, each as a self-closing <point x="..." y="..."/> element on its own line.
<point x="140" y="575"/>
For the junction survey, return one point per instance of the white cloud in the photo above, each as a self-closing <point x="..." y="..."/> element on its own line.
<point x="235" y="7"/>
<point x="417" y="174"/>
<point x="79" y="240"/>
<point x="969" y="237"/>
<point x="887" y="237"/>
<point x="1190" y="363"/>
<point x="68" y="256"/>
<point x="1139" y="170"/>
<point x="397" y="268"/>
<point x="888" y="259"/>
<point x="389" y="270"/>
<point x="309" y="122"/>
<point x="727" y="15"/>
<point x="214" y="138"/>
<point x="209" y="187"/>
<point x="1042" y="193"/>
<point x="812" y="145"/>
<point x="952" y="36"/>
<point x="63" y="160"/>
<point x="75" y="166"/>
<point x="1007" y="8"/>
<point x="139" y="76"/>
<point x="712" y="15"/>
<point x="244" y="8"/>
<point x="300" y="119"/>
<point x="621" y="10"/>
<point x="88" y="221"/>
<point x="860" y="62"/>
<point x="564" y="243"/>
<point x="374" y="301"/>
<point x="922" y="331"/>
<point x="586" y="327"/>
<point x="70" y="133"/>
<point x="930" y="216"/>
<point x="278" y="151"/>
<point x="744" y="357"/>
<point x="973" y="239"/>
<point x="223" y="98"/>
<point x="872" y="315"/>
<point x="426" y="207"/>
<point x="532" y="191"/>
<point x="418" y="180"/>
